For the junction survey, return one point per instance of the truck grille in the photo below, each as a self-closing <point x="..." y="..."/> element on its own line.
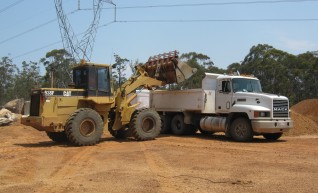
<point x="35" y="104"/>
<point x="280" y="108"/>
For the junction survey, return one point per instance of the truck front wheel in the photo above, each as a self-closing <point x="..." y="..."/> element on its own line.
<point x="272" y="136"/>
<point x="84" y="127"/>
<point x="241" y="130"/>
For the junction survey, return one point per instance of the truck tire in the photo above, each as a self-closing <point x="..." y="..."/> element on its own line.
<point x="272" y="136"/>
<point x="178" y="126"/>
<point x="145" y="124"/>
<point x="241" y="130"/>
<point x="166" y="124"/>
<point x="84" y="127"/>
<point x="59" y="137"/>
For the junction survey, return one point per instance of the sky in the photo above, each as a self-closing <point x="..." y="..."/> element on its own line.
<point x="225" y="30"/>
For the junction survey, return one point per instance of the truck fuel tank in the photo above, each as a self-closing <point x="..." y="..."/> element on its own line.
<point x="213" y="124"/>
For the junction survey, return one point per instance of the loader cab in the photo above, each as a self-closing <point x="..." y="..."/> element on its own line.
<point x="94" y="79"/>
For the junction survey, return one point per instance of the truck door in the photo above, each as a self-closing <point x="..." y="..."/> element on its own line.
<point x="224" y="96"/>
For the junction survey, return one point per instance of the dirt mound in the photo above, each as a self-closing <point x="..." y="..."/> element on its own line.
<point x="308" y="108"/>
<point x="305" y="117"/>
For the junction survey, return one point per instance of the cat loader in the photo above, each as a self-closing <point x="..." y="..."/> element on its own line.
<point x="81" y="113"/>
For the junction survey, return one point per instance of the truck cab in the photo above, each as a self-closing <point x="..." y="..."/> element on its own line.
<point x="235" y="96"/>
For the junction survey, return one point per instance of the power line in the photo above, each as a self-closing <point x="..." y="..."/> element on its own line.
<point x="10" y="6"/>
<point x="177" y="21"/>
<point x="210" y="4"/>
<point x="54" y="43"/>
<point x="31" y="29"/>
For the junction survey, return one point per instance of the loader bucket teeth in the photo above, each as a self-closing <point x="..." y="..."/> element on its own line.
<point x="166" y="67"/>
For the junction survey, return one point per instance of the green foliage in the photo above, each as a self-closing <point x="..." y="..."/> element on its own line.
<point x="7" y="72"/>
<point x="59" y="63"/>
<point x="281" y="72"/>
<point x="119" y="69"/>
<point x="27" y="79"/>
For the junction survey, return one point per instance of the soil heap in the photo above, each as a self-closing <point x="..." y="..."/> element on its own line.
<point x="305" y="117"/>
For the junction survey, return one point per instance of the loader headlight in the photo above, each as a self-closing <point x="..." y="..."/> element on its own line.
<point x="261" y="114"/>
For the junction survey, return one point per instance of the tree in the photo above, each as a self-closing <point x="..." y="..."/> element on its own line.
<point x="27" y="79"/>
<point x="270" y="66"/>
<point x="119" y="69"/>
<point x="7" y="73"/>
<point x="59" y="63"/>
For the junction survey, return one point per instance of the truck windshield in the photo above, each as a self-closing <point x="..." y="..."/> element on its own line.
<point x="246" y="85"/>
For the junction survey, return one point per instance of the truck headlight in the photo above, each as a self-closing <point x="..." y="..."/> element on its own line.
<point x="261" y="114"/>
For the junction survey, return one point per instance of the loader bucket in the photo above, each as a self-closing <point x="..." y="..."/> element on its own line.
<point x="166" y="67"/>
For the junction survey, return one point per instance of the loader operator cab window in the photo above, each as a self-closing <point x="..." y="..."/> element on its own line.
<point x="80" y="78"/>
<point x="95" y="80"/>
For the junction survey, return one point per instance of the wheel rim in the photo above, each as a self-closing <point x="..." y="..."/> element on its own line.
<point x="241" y="130"/>
<point x="148" y="124"/>
<point x="87" y="127"/>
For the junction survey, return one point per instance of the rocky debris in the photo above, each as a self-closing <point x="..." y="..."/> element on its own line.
<point x="6" y="117"/>
<point x="15" y="106"/>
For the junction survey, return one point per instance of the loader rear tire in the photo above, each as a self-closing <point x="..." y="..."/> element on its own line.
<point x="84" y="127"/>
<point x="145" y="124"/>
<point x="58" y="137"/>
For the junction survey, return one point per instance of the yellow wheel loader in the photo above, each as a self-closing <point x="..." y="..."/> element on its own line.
<point x="81" y="113"/>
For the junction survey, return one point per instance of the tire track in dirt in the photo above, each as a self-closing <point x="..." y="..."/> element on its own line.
<point x="161" y="169"/>
<point x="71" y="164"/>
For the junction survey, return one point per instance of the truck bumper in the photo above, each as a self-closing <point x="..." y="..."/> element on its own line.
<point x="42" y="123"/>
<point x="272" y="126"/>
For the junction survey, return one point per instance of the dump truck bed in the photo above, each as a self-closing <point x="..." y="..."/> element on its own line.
<point x="183" y="100"/>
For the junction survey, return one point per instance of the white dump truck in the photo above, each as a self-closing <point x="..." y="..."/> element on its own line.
<point x="232" y="104"/>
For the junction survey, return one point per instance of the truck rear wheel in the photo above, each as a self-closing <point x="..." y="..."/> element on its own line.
<point x="241" y="130"/>
<point x="272" y="136"/>
<point x="84" y="127"/>
<point x="178" y="126"/>
<point x="57" y="136"/>
<point x="166" y="124"/>
<point x="145" y="124"/>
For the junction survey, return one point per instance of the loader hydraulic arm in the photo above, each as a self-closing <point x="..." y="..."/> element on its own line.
<point x="158" y="71"/>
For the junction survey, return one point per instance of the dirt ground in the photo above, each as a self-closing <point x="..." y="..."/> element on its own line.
<point x="30" y="162"/>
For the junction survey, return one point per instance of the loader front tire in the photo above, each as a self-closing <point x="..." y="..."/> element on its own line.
<point x="58" y="137"/>
<point x="84" y="127"/>
<point x="145" y="124"/>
